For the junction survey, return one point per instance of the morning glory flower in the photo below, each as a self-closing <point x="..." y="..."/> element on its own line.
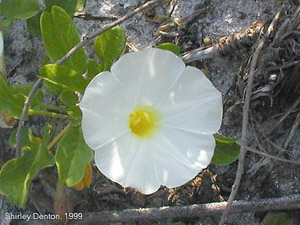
<point x="151" y="120"/>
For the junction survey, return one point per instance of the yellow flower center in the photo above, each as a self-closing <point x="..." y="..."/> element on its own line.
<point x="143" y="121"/>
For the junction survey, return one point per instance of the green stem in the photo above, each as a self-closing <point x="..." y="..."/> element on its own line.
<point x="53" y="107"/>
<point x="50" y="114"/>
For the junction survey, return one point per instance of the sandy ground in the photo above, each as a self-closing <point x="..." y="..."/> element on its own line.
<point x="25" y="54"/>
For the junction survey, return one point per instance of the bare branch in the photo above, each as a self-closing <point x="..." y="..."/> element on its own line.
<point x="197" y="210"/>
<point x="272" y="156"/>
<point x="68" y="55"/>
<point x="240" y="169"/>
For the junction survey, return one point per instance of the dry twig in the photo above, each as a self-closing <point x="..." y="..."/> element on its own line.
<point x="272" y="156"/>
<point x="197" y="210"/>
<point x="68" y="55"/>
<point x="227" y="44"/>
<point x="246" y="108"/>
<point x="87" y="16"/>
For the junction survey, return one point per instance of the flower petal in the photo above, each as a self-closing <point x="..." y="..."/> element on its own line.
<point x="99" y="130"/>
<point x="150" y="73"/>
<point x="193" y="103"/>
<point x="180" y="156"/>
<point x="127" y="161"/>
<point x="105" y="95"/>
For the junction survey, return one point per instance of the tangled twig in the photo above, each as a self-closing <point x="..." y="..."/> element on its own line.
<point x="246" y="108"/>
<point x="227" y="44"/>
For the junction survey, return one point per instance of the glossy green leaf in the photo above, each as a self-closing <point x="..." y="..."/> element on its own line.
<point x="70" y="6"/>
<point x="63" y="77"/>
<point x="60" y="35"/>
<point x="279" y="219"/>
<point x="68" y="98"/>
<point x="93" y="68"/>
<point x="226" y="151"/>
<point x="170" y="47"/>
<point x="17" y="174"/>
<point x="72" y="156"/>
<point x="109" y="46"/>
<point x="33" y="25"/>
<point x="19" y="9"/>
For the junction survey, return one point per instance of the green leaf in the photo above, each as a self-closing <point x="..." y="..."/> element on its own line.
<point x="12" y="98"/>
<point x="171" y="47"/>
<point x="63" y="77"/>
<point x="19" y="9"/>
<point x="26" y="137"/>
<point x="226" y="151"/>
<point x="70" y="6"/>
<point x="60" y="35"/>
<point x="11" y="102"/>
<point x="25" y="90"/>
<point x="76" y="113"/>
<point x="80" y="5"/>
<point x="5" y="23"/>
<point x="68" y="98"/>
<point x="279" y="219"/>
<point x="109" y="46"/>
<point x="17" y="174"/>
<point x="72" y="156"/>
<point x="93" y="68"/>
<point x="33" y="25"/>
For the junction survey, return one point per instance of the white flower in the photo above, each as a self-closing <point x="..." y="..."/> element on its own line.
<point x="150" y="120"/>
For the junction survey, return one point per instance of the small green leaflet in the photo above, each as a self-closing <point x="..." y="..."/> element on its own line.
<point x="19" y="9"/>
<point x="171" y="47"/>
<point x="63" y="78"/>
<point x="17" y="174"/>
<point x="226" y="151"/>
<point x="60" y="35"/>
<point x="109" y="46"/>
<point x="72" y="156"/>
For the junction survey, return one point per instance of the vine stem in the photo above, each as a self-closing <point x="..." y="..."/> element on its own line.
<point x="246" y="108"/>
<point x="68" y="55"/>
<point x="49" y="114"/>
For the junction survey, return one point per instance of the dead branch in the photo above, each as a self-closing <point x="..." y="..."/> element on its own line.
<point x="272" y="156"/>
<point x="240" y="169"/>
<point x="86" y="40"/>
<point x="227" y="45"/>
<point x="197" y="210"/>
